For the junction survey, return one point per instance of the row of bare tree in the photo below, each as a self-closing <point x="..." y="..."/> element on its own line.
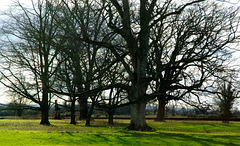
<point x="112" y="53"/>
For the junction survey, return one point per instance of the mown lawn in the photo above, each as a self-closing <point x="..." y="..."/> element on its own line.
<point x="30" y="132"/>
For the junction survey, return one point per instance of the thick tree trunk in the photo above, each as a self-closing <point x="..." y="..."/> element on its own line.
<point x="45" y="107"/>
<point x="73" y="117"/>
<point x="161" y="110"/>
<point x="110" y="118"/>
<point x="138" y="121"/>
<point x="89" y="115"/>
<point x="83" y="108"/>
<point x="44" y="116"/>
<point x="88" y="121"/>
<point x="226" y="115"/>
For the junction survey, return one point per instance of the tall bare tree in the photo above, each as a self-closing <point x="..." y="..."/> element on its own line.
<point x="114" y="98"/>
<point x="133" y="22"/>
<point x="30" y="49"/>
<point x="189" y="48"/>
<point x="85" y="63"/>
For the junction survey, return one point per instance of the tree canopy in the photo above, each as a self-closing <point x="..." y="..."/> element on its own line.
<point x="136" y="51"/>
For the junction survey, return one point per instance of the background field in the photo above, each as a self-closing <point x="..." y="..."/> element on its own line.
<point x="30" y="132"/>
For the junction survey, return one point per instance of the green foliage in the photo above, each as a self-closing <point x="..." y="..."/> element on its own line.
<point x="29" y="132"/>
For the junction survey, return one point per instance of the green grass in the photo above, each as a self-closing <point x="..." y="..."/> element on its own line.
<point x="30" y="132"/>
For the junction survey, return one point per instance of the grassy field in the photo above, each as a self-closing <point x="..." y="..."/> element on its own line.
<point x="30" y="132"/>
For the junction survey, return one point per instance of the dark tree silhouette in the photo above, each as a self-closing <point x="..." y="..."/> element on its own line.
<point x="31" y="47"/>
<point x="184" y="43"/>
<point x="189" y="48"/>
<point x="225" y="100"/>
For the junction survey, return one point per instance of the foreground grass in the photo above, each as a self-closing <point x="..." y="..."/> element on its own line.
<point x="29" y="132"/>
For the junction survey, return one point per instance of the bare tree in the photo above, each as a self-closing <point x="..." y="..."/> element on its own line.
<point x="189" y="48"/>
<point x="64" y="83"/>
<point x="84" y="64"/>
<point x="31" y="47"/>
<point x="135" y="22"/>
<point x="226" y="97"/>
<point x="114" y="98"/>
<point x="18" y="103"/>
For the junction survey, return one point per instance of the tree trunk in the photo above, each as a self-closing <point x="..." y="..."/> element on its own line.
<point x="88" y="121"/>
<point x="73" y="118"/>
<point x="89" y="115"/>
<point x="44" y="116"/>
<point x="161" y="110"/>
<point x="19" y="111"/>
<point x="44" y="107"/>
<point x="110" y="118"/>
<point x="226" y="116"/>
<point x="83" y="108"/>
<point x="57" y="111"/>
<point x="138" y="121"/>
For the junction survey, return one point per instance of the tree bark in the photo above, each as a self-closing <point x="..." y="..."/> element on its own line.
<point x="44" y="116"/>
<point x="83" y="108"/>
<point x="226" y="115"/>
<point x="110" y="118"/>
<point x="45" y="106"/>
<point x="138" y="121"/>
<point x="73" y="117"/>
<point x="89" y="115"/>
<point x="57" y="111"/>
<point x="161" y="110"/>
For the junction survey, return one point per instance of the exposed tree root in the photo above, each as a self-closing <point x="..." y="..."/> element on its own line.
<point x="45" y="123"/>
<point x="140" y="128"/>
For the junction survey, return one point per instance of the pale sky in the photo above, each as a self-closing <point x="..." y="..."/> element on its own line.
<point x="4" y="5"/>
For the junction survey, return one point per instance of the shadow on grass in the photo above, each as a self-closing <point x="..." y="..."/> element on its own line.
<point x="161" y="138"/>
<point x="158" y="138"/>
<point x="118" y="138"/>
<point x="105" y="124"/>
